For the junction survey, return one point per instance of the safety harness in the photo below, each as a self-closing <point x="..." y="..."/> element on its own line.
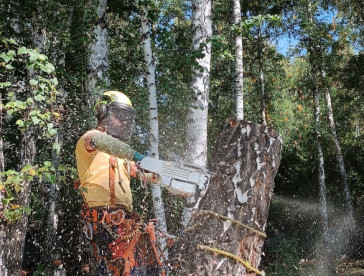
<point x="120" y="237"/>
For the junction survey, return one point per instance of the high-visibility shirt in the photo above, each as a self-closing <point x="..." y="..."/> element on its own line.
<point x="94" y="174"/>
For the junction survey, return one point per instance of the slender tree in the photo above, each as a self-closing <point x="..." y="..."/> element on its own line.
<point x="150" y="65"/>
<point x="239" y="77"/>
<point x="196" y="152"/>
<point x="339" y="157"/>
<point x="98" y="62"/>
<point x="314" y="56"/>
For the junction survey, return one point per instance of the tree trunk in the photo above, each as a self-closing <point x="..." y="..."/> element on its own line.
<point x="15" y="234"/>
<point x="98" y="61"/>
<point x="196" y="148"/>
<point x="246" y="161"/>
<point x="239" y="77"/>
<point x="324" y="253"/>
<point x="340" y="160"/>
<point x="261" y="77"/>
<point x="153" y="122"/>
<point x="3" y="265"/>
<point x="52" y="245"/>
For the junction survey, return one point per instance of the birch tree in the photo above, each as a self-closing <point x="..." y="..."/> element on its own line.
<point x="98" y="61"/>
<point x="150" y="65"/>
<point x="339" y="157"/>
<point x="196" y="148"/>
<point x="239" y="77"/>
<point x="314" y="56"/>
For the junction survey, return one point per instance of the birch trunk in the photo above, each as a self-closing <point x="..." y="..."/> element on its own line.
<point x="3" y="267"/>
<point x="54" y="252"/>
<point x="153" y="123"/>
<point x="315" y="55"/>
<point x="239" y="77"/>
<point x="340" y="160"/>
<point x="261" y="78"/>
<point x="98" y="61"/>
<point x="196" y="153"/>
<point x="246" y="161"/>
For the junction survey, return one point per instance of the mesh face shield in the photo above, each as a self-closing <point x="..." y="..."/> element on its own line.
<point x="119" y="121"/>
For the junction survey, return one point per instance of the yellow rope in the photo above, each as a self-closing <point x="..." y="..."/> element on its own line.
<point x="236" y="258"/>
<point x="207" y="212"/>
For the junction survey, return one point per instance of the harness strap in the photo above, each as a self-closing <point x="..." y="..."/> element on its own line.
<point x="153" y="240"/>
<point x="128" y="255"/>
<point x="112" y="162"/>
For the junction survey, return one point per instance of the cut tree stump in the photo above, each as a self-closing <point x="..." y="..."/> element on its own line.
<point x="246" y="159"/>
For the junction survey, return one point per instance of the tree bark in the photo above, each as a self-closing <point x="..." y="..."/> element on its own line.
<point x="261" y="77"/>
<point x="196" y="148"/>
<point x="340" y="160"/>
<point x="239" y="77"/>
<point x="153" y="123"/>
<point x="98" y="61"/>
<point x="247" y="158"/>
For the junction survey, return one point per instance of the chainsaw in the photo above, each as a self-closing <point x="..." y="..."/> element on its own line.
<point x="181" y="179"/>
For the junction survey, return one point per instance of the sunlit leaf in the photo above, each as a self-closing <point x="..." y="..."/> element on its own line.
<point x="35" y="120"/>
<point x="33" y="82"/>
<point x="17" y="188"/>
<point x="5" y="84"/>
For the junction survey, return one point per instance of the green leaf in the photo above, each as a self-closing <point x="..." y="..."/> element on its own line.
<point x="35" y="120"/>
<point x="54" y="81"/>
<point x="48" y="68"/>
<point x="57" y="148"/>
<point x="26" y="168"/>
<point x="33" y="82"/>
<point x="22" y="50"/>
<point x="9" y="66"/>
<point x="12" y="41"/>
<point x="30" y="101"/>
<point x="5" y="84"/>
<point x="62" y="167"/>
<point x="39" y="98"/>
<point x="5" y="57"/>
<point x="33" y="55"/>
<point x="42" y="57"/>
<point x="10" y="112"/>
<point x="17" y="188"/>
<point x="20" y="123"/>
<point x="48" y="163"/>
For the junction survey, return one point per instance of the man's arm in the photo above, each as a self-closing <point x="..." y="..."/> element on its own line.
<point x="106" y="143"/>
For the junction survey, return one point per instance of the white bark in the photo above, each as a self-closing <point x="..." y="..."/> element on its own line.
<point x="3" y="268"/>
<point x="197" y="115"/>
<point x="340" y="158"/>
<point x="98" y="61"/>
<point x="153" y="122"/>
<point x="261" y="77"/>
<point x="52" y="229"/>
<point x="238" y="83"/>
<point x="314" y="54"/>
<point x="320" y="164"/>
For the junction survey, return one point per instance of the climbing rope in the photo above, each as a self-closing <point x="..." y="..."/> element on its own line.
<point x="236" y="258"/>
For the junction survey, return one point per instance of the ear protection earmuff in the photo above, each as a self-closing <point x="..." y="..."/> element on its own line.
<point x="101" y="110"/>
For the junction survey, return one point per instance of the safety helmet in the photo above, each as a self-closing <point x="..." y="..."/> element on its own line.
<point x="116" y="114"/>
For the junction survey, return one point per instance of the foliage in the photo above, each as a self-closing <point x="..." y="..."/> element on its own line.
<point x="31" y="107"/>
<point x="28" y="82"/>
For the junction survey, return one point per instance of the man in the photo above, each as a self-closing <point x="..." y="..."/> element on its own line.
<point x="105" y="163"/>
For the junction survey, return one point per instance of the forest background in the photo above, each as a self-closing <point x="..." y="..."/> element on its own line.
<point x="82" y="47"/>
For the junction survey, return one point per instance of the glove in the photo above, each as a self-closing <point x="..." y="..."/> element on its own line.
<point x="137" y="157"/>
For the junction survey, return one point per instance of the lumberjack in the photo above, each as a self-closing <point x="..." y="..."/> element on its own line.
<point x="105" y="162"/>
